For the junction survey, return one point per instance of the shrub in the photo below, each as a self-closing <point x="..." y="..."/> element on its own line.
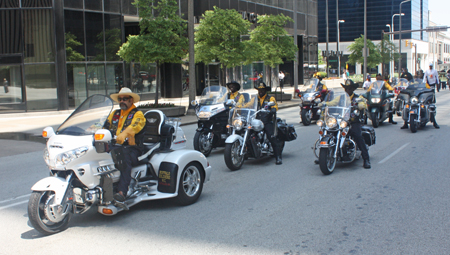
<point x="152" y="105"/>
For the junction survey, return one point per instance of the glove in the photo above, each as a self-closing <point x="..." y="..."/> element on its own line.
<point x="273" y="110"/>
<point x="127" y="133"/>
<point x="320" y="104"/>
<point x="361" y="106"/>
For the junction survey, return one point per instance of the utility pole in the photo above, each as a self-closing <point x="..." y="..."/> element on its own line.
<point x="192" y="80"/>
<point x="365" y="40"/>
<point x="400" y="38"/>
<point x="326" y="20"/>
<point x="296" y="52"/>
<point x="337" y="39"/>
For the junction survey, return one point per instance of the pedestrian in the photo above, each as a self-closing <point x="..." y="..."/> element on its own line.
<point x="431" y="77"/>
<point x="406" y="75"/>
<point x="281" y="78"/>
<point x="367" y="83"/>
<point x="6" y="85"/>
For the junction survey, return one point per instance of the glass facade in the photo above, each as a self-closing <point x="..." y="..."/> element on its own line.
<point x="379" y="13"/>
<point x="54" y="54"/>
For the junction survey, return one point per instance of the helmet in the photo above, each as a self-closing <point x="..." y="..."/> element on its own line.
<point x="234" y="83"/>
<point x="349" y="84"/>
<point x="262" y="85"/>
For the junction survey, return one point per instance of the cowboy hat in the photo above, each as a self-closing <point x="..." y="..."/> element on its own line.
<point x="350" y="85"/>
<point x="262" y="85"/>
<point x="125" y="92"/>
<point x="234" y="83"/>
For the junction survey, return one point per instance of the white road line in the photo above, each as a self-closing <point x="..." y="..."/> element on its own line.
<point x="11" y="205"/>
<point x="393" y="154"/>
<point x="12" y="199"/>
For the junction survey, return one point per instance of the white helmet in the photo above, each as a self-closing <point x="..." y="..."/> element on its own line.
<point x="431" y="64"/>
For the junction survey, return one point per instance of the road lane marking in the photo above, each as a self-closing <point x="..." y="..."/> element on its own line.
<point x="11" y="205"/>
<point x="393" y="154"/>
<point x="12" y="199"/>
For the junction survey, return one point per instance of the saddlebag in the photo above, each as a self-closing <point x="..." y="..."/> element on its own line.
<point x="368" y="134"/>
<point x="286" y="132"/>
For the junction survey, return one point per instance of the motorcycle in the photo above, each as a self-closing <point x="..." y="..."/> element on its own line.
<point x="248" y="139"/>
<point x="212" y="114"/>
<point x="419" y="107"/>
<point x="309" y="100"/>
<point x="83" y="173"/>
<point x="379" y="103"/>
<point x="398" y="86"/>
<point x="335" y="144"/>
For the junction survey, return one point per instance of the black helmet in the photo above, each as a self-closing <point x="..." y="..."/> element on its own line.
<point x="349" y="84"/>
<point x="234" y="83"/>
<point x="262" y="85"/>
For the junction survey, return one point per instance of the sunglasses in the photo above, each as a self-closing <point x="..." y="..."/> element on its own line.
<point x="123" y="98"/>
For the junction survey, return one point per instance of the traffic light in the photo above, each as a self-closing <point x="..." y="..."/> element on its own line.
<point x="406" y="43"/>
<point x="412" y="45"/>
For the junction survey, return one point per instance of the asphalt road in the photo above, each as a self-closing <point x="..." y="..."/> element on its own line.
<point x="400" y="206"/>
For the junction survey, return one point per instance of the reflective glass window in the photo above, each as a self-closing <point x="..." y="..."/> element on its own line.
<point x="96" y="82"/>
<point x="77" y="4"/>
<point x="9" y="3"/>
<point x="128" y="7"/>
<point x="112" y="5"/>
<point x="74" y="36"/>
<point x="114" y="78"/>
<point x="113" y="36"/>
<point x="39" y="39"/>
<point x="95" y="5"/>
<point x="94" y="36"/>
<point x="37" y="3"/>
<point x="11" y="81"/>
<point x="10" y="32"/>
<point x="40" y="81"/>
<point x="76" y="81"/>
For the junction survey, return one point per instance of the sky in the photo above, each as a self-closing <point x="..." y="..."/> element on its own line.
<point x="440" y="12"/>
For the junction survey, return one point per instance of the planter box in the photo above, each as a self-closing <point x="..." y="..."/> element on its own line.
<point x="283" y="96"/>
<point x="168" y="111"/>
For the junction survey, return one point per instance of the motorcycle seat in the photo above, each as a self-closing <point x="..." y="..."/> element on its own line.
<point x="157" y="131"/>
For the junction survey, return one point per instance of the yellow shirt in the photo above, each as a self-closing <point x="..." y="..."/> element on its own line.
<point x="386" y="85"/>
<point x="261" y="102"/>
<point x="137" y="123"/>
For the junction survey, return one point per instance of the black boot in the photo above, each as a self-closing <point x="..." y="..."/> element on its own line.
<point x="391" y="119"/>
<point x="405" y="126"/>
<point x="278" y="160"/>
<point x="316" y="161"/>
<point x="436" y="125"/>
<point x="366" y="164"/>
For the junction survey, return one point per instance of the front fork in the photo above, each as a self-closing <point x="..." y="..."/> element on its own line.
<point x="244" y="142"/>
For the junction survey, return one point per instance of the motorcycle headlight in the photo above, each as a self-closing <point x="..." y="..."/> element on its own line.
<point x="331" y="122"/>
<point x="204" y="115"/>
<point x="414" y="100"/>
<point x="66" y="157"/>
<point x="237" y="124"/>
<point x="46" y="156"/>
<point x="319" y="123"/>
<point x="317" y="100"/>
<point x="343" y="124"/>
<point x="309" y="98"/>
<point x="376" y="100"/>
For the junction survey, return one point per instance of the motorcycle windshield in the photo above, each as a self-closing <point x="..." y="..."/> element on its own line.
<point x="417" y="84"/>
<point x="311" y="85"/>
<point x="376" y="87"/>
<point x="400" y="84"/>
<point x="213" y="95"/>
<point x="246" y="111"/>
<point x="88" y="117"/>
<point x="338" y="105"/>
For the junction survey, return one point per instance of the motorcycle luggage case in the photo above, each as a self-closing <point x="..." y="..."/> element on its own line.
<point x="368" y="134"/>
<point x="286" y="132"/>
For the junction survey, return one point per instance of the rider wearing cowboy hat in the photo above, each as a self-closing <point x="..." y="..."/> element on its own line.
<point x="234" y="88"/>
<point x="127" y="123"/>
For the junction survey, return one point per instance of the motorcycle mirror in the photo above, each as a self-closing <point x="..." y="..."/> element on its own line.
<point x="48" y="132"/>
<point x="194" y="102"/>
<point x="102" y="135"/>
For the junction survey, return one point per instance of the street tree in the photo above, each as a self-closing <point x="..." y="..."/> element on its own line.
<point x="161" y="38"/>
<point x="71" y="44"/>
<point x="271" y="42"/>
<point x="218" y="38"/>
<point x="388" y="51"/>
<point x="356" y="55"/>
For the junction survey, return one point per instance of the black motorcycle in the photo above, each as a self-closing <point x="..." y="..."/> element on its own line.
<point x="380" y="103"/>
<point x="309" y="100"/>
<point x="335" y="144"/>
<point x="419" y="107"/>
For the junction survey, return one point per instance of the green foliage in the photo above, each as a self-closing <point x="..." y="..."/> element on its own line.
<point x="218" y="38"/>
<point x="149" y="105"/>
<point x="161" y="39"/>
<point x="271" y="41"/>
<point x="71" y="43"/>
<point x="356" y="50"/>
<point x="112" y="43"/>
<point x="320" y="57"/>
<point x="388" y="50"/>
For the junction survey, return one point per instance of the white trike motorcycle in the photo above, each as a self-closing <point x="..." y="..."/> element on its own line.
<point x="83" y="173"/>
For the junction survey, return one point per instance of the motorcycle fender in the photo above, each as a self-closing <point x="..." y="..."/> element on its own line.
<point x="57" y="184"/>
<point x="233" y="138"/>
<point x="374" y="109"/>
<point x="326" y="142"/>
<point x="202" y="128"/>
<point x="413" y="111"/>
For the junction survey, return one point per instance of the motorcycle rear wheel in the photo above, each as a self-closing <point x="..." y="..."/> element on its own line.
<point x="327" y="162"/>
<point x="233" y="160"/>
<point x="191" y="184"/>
<point x="202" y="143"/>
<point x="413" y="123"/>
<point x="306" y="117"/>
<point x="39" y="201"/>
<point x="375" y="120"/>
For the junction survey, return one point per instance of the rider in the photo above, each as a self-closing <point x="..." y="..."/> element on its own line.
<point x="267" y="118"/>
<point x="386" y="86"/>
<point x="320" y="87"/>
<point x="234" y="88"/>
<point x="127" y="123"/>
<point x="355" y="122"/>
<point x="431" y="77"/>
<point x="406" y="75"/>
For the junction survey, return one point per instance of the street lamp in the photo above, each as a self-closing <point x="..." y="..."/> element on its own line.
<point x="337" y="48"/>
<point x="400" y="37"/>
<point x="390" y="66"/>
<point x="392" y="36"/>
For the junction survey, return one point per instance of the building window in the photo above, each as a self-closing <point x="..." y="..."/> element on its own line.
<point x="37" y="3"/>
<point x="76" y="82"/>
<point x="40" y="81"/>
<point x="113" y="36"/>
<point x="11" y="81"/>
<point x="10" y="32"/>
<point x="74" y="34"/>
<point x="94" y="36"/>
<point x="38" y="36"/>
<point x="96" y="82"/>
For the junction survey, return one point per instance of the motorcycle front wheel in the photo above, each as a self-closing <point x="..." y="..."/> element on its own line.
<point x="43" y="217"/>
<point x="202" y="143"/>
<point x="233" y="159"/>
<point x="327" y="162"/>
<point x="413" y="123"/>
<point x="375" y="120"/>
<point x="191" y="184"/>
<point x="306" y="117"/>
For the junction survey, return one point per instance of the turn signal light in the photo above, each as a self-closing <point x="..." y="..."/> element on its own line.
<point x="99" y="137"/>
<point x="411" y="112"/>
<point x="323" y="143"/>
<point x="107" y="211"/>
<point x="320" y="132"/>
<point x="44" y="134"/>
<point x="228" y="126"/>
<point x="344" y="134"/>
<point x="423" y="106"/>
